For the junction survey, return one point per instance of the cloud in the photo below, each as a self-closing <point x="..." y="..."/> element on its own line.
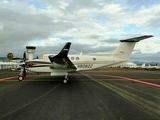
<point x="93" y="26"/>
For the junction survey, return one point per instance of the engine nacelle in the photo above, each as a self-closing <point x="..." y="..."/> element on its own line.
<point x="59" y="74"/>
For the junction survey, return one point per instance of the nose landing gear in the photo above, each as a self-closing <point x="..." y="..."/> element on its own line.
<point x="20" y="77"/>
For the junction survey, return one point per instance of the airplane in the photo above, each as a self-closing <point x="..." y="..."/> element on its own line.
<point x="149" y="67"/>
<point x="129" y="65"/>
<point x="154" y="67"/>
<point x="145" y="67"/>
<point x="61" y="64"/>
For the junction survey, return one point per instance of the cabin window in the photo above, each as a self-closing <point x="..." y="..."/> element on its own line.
<point x="77" y="58"/>
<point x="72" y="58"/>
<point x="94" y="59"/>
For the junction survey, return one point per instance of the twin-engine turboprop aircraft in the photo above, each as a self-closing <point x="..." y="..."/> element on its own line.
<point x="62" y="63"/>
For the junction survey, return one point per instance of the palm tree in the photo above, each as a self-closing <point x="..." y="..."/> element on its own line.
<point x="10" y="56"/>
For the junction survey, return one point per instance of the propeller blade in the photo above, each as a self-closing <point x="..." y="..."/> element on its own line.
<point x="24" y="71"/>
<point x="24" y="65"/>
<point x="24" y="56"/>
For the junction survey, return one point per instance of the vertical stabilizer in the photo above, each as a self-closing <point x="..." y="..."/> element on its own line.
<point x="124" y="50"/>
<point x="143" y="65"/>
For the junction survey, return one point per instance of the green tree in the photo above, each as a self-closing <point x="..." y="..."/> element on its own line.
<point x="10" y="56"/>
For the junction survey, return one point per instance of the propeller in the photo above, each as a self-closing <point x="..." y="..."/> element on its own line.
<point x="22" y="74"/>
<point x="24" y="66"/>
<point x="24" y="57"/>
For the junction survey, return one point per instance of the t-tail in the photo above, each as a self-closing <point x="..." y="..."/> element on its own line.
<point x="124" y="50"/>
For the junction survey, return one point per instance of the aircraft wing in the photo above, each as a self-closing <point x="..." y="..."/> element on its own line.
<point x="61" y="60"/>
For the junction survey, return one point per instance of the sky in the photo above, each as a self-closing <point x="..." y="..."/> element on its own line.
<point x="93" y="26"/>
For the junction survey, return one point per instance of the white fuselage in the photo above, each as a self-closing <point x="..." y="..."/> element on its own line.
<point x="81" y="62"/>
<point x="59" y="65"/>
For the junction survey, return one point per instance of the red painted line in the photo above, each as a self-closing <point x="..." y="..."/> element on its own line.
<point x="2" y="79"/>
<point x="8" y="78"/>
<point x="130" y="79"/>
<point x="136" y="80"/>
<point x="112" y="76"/>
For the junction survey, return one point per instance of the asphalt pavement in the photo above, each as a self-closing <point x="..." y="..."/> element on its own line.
<point x="94" y="95"/>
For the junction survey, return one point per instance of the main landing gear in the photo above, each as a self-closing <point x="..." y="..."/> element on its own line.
<point x="65" y="79"/>
<point x="22" y="74"/>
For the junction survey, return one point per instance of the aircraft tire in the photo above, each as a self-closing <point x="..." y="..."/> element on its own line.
<point x="20" y="78"/>
<point x="65" y="81"/>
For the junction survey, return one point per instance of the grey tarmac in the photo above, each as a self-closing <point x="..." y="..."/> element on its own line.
<point x="87" y="96"/>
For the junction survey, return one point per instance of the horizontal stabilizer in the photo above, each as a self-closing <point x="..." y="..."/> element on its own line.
<point x="136" y="39"/>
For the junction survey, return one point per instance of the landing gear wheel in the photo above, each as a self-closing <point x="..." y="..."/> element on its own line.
<point x="20" y="78"/>
<point x="65" y="81"/>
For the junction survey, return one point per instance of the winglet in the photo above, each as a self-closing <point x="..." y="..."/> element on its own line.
<point x="64" y="52"/>
<point x="61" y="60"/>
<point x="136" y="39"/>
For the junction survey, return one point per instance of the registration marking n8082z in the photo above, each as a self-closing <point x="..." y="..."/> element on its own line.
<point x="85" y="66"/>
